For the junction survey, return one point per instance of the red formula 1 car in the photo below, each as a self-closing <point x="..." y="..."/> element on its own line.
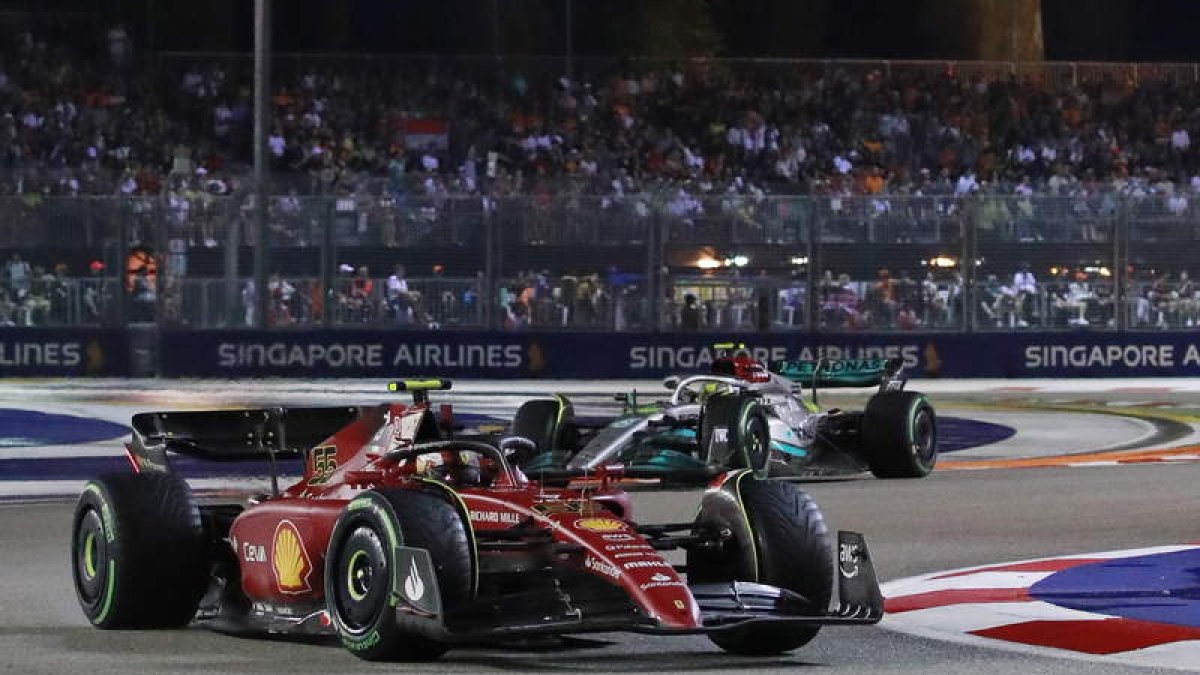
<point x="402" y="540"/>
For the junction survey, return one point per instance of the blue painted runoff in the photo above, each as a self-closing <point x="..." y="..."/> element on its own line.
<point x="1161" y="587"/>
<point x="20" y="428"/>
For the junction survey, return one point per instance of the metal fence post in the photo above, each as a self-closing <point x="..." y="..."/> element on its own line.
<point x="230" y="264"/>
<point x="655" y="278"/>
<point x="123" y="298"/>
<point x="968" y="233"/>
<point x="262" y="118"/>
<point x="811" y="307"/>
<point x="1121" y="263"/>
<point x="160" y="244"/>
<point x="487" y="294"/>
<point x="329" y="262"/>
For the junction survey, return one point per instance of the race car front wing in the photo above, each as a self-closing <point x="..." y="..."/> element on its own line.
<point x="723" y="606"/>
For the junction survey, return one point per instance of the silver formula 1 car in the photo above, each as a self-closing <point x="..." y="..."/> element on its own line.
<point x="744" y="414"/>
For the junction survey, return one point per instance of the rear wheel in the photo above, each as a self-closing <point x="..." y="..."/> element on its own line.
<point x="549" y="424"/>
<point x="734" y="433"/>
<point x="899" y="435"/>
<point x="360" y="574"/>
<point x="776" y="535"/>
<point x="137" y="552"/>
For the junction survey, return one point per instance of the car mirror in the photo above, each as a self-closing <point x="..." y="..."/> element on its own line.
<point x="671" y="383"/>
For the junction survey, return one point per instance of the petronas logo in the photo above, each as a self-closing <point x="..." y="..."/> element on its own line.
<point x="414" y="587"/>
<point x="289" y="559"/>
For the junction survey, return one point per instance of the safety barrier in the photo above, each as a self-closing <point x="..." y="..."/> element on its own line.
<point x="148" y="351"/>
<point x="556" y="355"/>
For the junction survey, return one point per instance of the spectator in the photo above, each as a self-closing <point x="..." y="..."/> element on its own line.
<point x="58" y="295"/>
<point x="881" y="302"/>
<point x="282" y="296"/>
<point x="399" y="304"/>
<point x="8" y="310"/>
<point x="20" y="277"/>
<point x="1188" y="306"/>
<point x="249" y="302"/>
<point x="1025" y="289"/>
<point x="362" y="296"/>
<point x="689" y="314"/>
<point x="998" y="302"/>
<point x="517" y="316"/>
<point x="144" y="297"/>
<point x="839" y="302"/>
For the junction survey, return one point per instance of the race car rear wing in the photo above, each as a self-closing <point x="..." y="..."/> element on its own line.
<point x="233" y="435"/>
<point x="841" y="373"/>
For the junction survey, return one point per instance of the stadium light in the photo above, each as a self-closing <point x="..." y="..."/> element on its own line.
<point x="941" y="262"/>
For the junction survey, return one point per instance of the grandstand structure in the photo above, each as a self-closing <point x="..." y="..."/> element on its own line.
<point x="475" y="192"/>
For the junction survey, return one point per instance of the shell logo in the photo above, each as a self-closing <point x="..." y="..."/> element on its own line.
<point x="600" y="524"/>
<point x="289" y="560"/>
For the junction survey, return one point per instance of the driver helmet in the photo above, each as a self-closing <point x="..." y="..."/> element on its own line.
<point x="454" y="469"/>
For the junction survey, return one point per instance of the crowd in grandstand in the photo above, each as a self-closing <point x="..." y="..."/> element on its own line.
<point x="393" y="141"/>
<point x="530" y="299"/>
<point x="130" y="123"/>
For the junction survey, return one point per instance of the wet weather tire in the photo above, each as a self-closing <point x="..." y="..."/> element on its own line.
<point x="776" y="535"/>
<point x="747" y="434"/>
<point x="360" y="571"/>
<point x="899" y="435"/>
<point x="137" y="552"/>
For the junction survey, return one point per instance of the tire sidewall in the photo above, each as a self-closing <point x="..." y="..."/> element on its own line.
<point x="753" y="430"/>
<point x="758" y="558"/>
<point x="153" y="551"/>
<point x="372" y="511"/>
<point x="920" y="410"/>
<point x="422" y="517"/>
<point x="95" y="499"/>
<point x="892" y="435"/>
<point x="772" y="564"/>
<point x="720" y="509"/>
<point x="540" y="420"/>
<point x="742" y="416"/>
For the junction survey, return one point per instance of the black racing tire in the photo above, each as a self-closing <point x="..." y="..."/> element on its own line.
<point x="137" y="552"/>
<point x="899" y="435"/>
<point x="549" y="423"/>
<point x="747" y="431"/>
<point x="777" y="536"/>
<point x="359" y="571"/>
<point x="536" y="420"/>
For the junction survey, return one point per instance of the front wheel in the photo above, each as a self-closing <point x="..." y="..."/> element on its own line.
<point x="899" y="435"/>
<point x="735" y="434"/>
<point x="362" y="569"/>
<point x="774" y="534"/>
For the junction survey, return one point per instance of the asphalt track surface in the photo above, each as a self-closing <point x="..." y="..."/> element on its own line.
<point x="954" y="518"/>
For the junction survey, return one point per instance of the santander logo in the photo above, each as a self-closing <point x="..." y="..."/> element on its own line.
<point x="414" y="586"/>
